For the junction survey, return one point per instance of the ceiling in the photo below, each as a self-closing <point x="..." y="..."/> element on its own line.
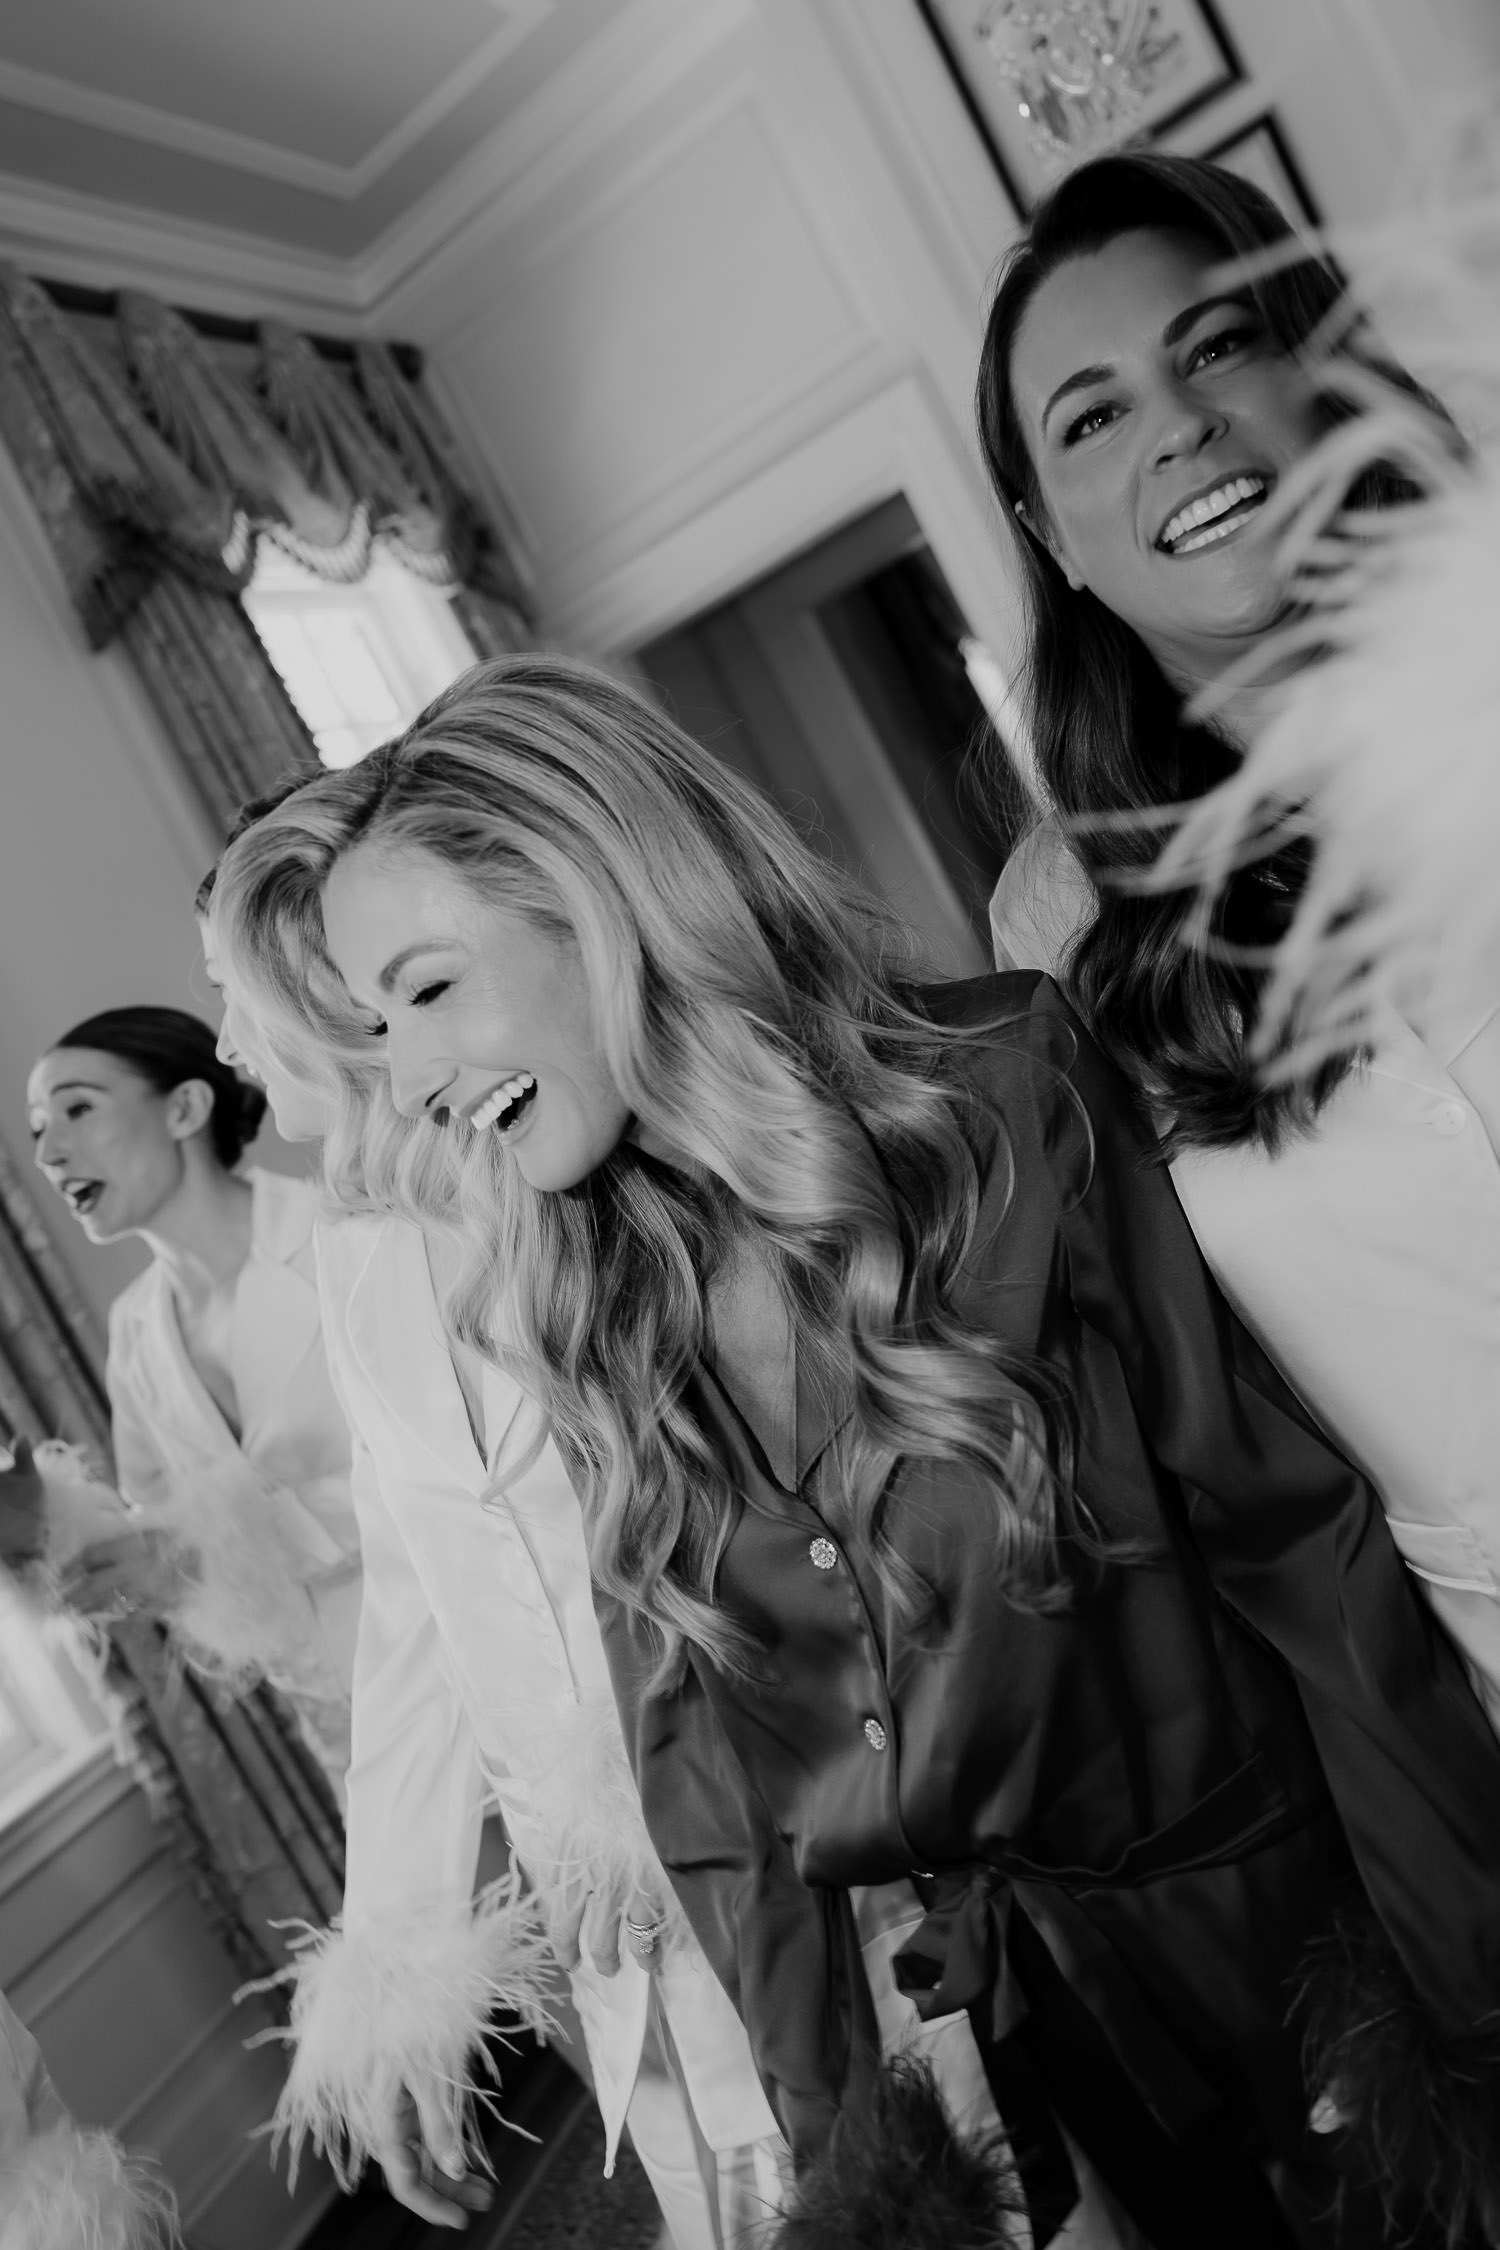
<point x="317" y="124"/>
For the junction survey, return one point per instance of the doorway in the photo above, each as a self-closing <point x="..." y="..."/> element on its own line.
<point x="838" y="684"/>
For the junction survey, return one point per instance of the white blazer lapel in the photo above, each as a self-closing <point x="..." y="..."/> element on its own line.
<point x="400" y="1349"/>
<point x="169" y="1390"/>
<point x="276" y="1320"/>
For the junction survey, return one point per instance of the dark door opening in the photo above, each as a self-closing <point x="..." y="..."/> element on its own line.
<point x="838" y="683"/>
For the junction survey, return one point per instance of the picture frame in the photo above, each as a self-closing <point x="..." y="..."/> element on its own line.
<point x="1040" y="117"/>
<point x="1260" y="152"/>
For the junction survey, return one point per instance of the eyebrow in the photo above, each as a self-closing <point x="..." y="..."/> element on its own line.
<point x="393" y="967"/>
<point x="75" y="1086"/>
<point x="1177" y="327"/>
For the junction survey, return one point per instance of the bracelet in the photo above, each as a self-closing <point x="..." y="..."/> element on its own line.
<point x="644" y="1936"/>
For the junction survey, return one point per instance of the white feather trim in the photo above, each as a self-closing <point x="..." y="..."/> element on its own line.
<point x="243" y="1612"/>
<point x="78" y="1506"/>
<point x="69" y="2189"/>
<point x="403" y="2002"/>
<point x="1386" y="749"/>
<point x="1387" y="752"/>
<point x="588" y="1816"/>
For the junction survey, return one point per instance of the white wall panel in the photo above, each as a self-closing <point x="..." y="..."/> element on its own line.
<point x="641" y="340"/>
<point x="106" y="1954"/>
<point x="650" y="355"/>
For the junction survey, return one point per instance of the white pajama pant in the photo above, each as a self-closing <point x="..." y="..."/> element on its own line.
<point x="711" y="2199"/>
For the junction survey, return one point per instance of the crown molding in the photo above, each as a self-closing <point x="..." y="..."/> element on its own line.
<point x="105" y="244"/>
<point x="109" y="245"/>
<point x="650" y="45"/>
<point x="269" y="160"/>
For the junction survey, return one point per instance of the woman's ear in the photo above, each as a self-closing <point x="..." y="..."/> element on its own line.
<point x="1041" y="531"/>
<point x="189" y="1108"/>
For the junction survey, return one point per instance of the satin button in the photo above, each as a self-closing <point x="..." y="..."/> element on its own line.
<point x="875" y="1734"/>
<point x="1449" y="1118"/>
<point x="824" y="1554"/>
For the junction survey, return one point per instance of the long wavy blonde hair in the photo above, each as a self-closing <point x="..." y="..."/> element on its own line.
<point x="762" y="1015"/>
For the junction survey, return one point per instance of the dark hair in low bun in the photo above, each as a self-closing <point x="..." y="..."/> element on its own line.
<point x="166" y="1047"/>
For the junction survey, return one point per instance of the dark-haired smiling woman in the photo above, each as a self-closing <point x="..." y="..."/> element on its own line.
<point x="1138" y="405"/>
<point x="231" y="1451"/>
<point x="1136" y="411"/>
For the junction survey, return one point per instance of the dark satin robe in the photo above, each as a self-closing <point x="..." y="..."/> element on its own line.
<point x="1176" y="1779"/>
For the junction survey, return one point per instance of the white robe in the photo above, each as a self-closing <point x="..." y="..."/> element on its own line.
<point x="481" y="1671"/>
<point x="1364" y="1256"/>
<point x="266" y="1518"/>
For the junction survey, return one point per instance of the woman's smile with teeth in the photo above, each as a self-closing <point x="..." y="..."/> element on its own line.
<point x="82" y="1195"/>
<point x="503" y="1105"/>
<point x="1214" y="515"/>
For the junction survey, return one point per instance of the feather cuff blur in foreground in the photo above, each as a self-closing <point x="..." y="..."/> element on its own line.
<point x="404" y="2002"/>
<point x="896" y="2176"/>
<point x="69" y="2189"/>
<point x="1386" y="748"/>
<point x="65" y="2186"/>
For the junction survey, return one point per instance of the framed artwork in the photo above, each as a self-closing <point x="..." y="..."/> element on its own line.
<point x="1051" y="82"/>
<point x="1259" y="152"/>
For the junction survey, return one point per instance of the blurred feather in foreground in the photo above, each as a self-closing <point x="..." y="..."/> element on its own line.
<point x="1384" y="746"/>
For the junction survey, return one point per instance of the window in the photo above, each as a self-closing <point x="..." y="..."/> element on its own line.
<point x="51" y="1722"/>
<point x="359" y="662"/>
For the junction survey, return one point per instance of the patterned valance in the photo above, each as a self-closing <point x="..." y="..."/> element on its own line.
<point x="161" y="454"/>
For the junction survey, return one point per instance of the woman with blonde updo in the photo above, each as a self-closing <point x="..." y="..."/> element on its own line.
<point x="945" y="1527"/>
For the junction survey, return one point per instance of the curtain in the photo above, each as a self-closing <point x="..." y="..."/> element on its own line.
<point x="250" y="1812"/>
<point x="157" y="461"/>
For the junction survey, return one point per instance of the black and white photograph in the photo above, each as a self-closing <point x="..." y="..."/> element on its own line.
<point x="750" y="1125"/>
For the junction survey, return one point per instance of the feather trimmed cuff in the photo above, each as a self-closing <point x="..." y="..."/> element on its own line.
<point x="70" y="2189"/>
<point x="1417" y="2108"/>
<point x="896" y="2176"/>
<point x="403" y="2003"/>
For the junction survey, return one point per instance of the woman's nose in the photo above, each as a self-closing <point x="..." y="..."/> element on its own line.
<point x="225" y="1048"/>
<point x="48" y="1149"/>
<point x="1187" y="425"/>
<point x="418" y="1081"/>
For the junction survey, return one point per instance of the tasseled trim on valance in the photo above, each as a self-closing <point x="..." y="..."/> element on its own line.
<point x="175" y="460"/>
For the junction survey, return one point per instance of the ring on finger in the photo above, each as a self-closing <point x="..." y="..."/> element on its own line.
<point x="644" y="1936"/>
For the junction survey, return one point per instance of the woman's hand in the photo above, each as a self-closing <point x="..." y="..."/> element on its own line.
<point x="598" y="1927"/>
<point x="22" y="1509"/>
<point x="135" y="1569"/>
<point x="422" y="2156"/>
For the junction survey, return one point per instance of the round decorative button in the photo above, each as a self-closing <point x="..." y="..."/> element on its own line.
<point x="1449" y="1118"/>
<point x="875" y="1734"/>
<point x="824" y="1554"/>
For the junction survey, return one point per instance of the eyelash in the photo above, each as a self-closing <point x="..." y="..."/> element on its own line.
<point x="72" y="1113"/>
<point x="1227" y="336"/>
<point x="1076" y="430"/>
<point x="422" y="999"/>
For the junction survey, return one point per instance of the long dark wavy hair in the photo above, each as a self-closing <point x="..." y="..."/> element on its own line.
<point x="1107" y="725"/>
